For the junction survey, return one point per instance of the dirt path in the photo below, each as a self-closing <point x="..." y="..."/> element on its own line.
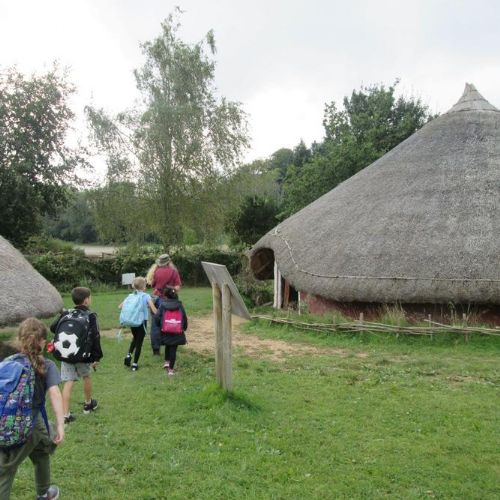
<point x="202" y="339"/>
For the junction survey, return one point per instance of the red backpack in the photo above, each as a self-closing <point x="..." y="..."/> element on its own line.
<point x="171" y="323"/>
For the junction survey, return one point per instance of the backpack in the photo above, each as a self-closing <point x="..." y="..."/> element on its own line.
<point x="17" y="387"/>
<point x="132" y="310"/>
<point x="171" y="322"/>
<point x="72" y="338"/>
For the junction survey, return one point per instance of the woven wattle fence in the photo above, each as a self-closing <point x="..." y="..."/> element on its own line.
<point x="361" y="326"/>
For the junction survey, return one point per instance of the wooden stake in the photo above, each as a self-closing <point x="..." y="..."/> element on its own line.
<point x="464" y="324"/>
<point x="227" y="362"/>
<point x="217" y="298"/>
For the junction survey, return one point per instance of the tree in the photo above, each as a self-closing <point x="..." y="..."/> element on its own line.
<point x="35" y="163"/>
<point x="120" y="211"/>
<point x="257" y="216"/>
<point x="301" y="154"/>
<point x="279" y="161"/>
<point x="184" y="138"/>
<point x="76" y="221"/>
<point x="371" y="123"/>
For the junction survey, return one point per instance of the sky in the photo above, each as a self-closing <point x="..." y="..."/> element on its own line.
<point x="281" y="59"/>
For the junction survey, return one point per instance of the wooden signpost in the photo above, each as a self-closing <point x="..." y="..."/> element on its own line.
<point x="227" y="301"/>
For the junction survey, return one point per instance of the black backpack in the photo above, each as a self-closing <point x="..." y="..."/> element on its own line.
<point x="72" y="338"/>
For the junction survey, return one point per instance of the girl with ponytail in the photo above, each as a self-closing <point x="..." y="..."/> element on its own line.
<point x="31" y="340"/>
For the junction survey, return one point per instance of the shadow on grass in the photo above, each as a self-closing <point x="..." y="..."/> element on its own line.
<point x="212" y="396"/>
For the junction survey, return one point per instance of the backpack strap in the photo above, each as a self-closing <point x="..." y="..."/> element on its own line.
<point x="44" y="416"/>
<point x="26" y="363"/>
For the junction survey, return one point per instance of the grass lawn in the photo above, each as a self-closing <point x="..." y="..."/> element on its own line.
<point x="199" y="301"/>
<point x="381" y="418"/>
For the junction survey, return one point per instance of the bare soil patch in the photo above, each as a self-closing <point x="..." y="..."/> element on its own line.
<point x="201" y="339"/>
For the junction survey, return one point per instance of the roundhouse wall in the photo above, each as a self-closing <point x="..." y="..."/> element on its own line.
<point x="486" y="314"/>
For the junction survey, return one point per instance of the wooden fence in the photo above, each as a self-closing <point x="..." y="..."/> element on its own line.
<point x="361" y="326"/>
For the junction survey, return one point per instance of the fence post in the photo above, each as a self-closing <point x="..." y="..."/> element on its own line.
<point x="464" y="324"/>
<point x="227" y="363"/>
<point x="217" y="298"/>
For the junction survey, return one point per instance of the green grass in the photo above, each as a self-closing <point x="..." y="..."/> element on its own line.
<point x="383" y="418"/>
<point x="196" y="300"/>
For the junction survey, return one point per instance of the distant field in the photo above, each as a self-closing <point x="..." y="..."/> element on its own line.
<point x="97" y="250"/>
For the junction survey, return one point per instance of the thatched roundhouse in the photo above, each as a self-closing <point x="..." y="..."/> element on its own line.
<point x="24" y="292"/>
<point x="421" y="225"/>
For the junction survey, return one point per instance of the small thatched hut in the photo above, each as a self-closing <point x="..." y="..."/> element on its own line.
<point x="24" y="291"/>
<point x="421" y="225"/>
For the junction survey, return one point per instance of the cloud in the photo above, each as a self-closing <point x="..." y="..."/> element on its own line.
<point x="282" y="59"/>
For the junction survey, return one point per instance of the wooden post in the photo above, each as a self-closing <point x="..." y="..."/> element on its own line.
<point x="464" y="324"/>
<point x="429" y="317"/>
<point x="227" y="362"/>
<point x="217" y="298"/>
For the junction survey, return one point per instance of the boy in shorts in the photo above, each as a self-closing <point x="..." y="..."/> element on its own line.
<point x="82" y="299"/>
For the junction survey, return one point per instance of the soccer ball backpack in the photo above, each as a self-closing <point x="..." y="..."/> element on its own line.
<point x="72" y="340"/>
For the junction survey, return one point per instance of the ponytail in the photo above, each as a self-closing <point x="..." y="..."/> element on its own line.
<point x="29" y="337"/>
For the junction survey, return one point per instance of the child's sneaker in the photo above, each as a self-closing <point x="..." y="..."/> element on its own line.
<point x="166" y="365"/>
<point x="69" y="418"/>
<point x="135" y="367"/>
<point x="127" y="359"/>
<point x="52" y="493"/>
<point x="170" y="372"/>
<point x="88" y="407"/>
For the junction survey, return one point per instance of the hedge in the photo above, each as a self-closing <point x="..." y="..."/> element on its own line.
<point x="71" y="268"/>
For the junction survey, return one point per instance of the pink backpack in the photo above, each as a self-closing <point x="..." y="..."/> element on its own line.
<point x="171" y="323"/>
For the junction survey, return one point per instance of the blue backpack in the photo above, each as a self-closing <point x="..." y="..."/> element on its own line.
<point x="17" y="387"/>
<point x="132" y="310"/>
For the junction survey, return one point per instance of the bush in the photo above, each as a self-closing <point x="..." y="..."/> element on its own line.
<point x="256" y="292"/>
<point x="188" y="262"/>
<point x="39" y="245"/>
<point x="70" y="267"/>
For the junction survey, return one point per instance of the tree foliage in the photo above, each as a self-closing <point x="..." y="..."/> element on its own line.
<point x="179" y="144"/>
<point x="76" y="221"/>
<point x="35" y="163"/>
<point x="257" y="216"/>
<point x="372" y="122"/>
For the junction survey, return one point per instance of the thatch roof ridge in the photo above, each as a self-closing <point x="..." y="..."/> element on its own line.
<point x="25" y="292"/>
<point x="472" y="100"/>
<point x="421" y="224"/>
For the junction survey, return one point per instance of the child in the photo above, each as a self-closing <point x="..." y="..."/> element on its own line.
<point x="70" y="372"/>
<point x="161" y="274"/>
<point x="139" y="332"/>
<point x="169" y="339"/>
<point x="31" y="339"/>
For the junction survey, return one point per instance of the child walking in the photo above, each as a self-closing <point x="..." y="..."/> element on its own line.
<point x="172" y="320"/>
<point x="31" y="340"/>
<point x="70" y="372"/>
<point x="139" y="332"/>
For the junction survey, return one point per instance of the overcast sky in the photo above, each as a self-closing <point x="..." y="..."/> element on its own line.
<point x="282" y="59"/>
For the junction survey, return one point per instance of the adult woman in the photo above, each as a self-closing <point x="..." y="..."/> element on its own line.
<point x="162" y="274"/>
<point x="165" y="274"/>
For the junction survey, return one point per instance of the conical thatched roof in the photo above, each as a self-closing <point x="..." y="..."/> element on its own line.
<point x="24" y="291"/>
<point x="420" y="225"/>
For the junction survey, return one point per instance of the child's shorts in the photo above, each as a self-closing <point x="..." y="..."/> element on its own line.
<point x="74" y="371"/>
